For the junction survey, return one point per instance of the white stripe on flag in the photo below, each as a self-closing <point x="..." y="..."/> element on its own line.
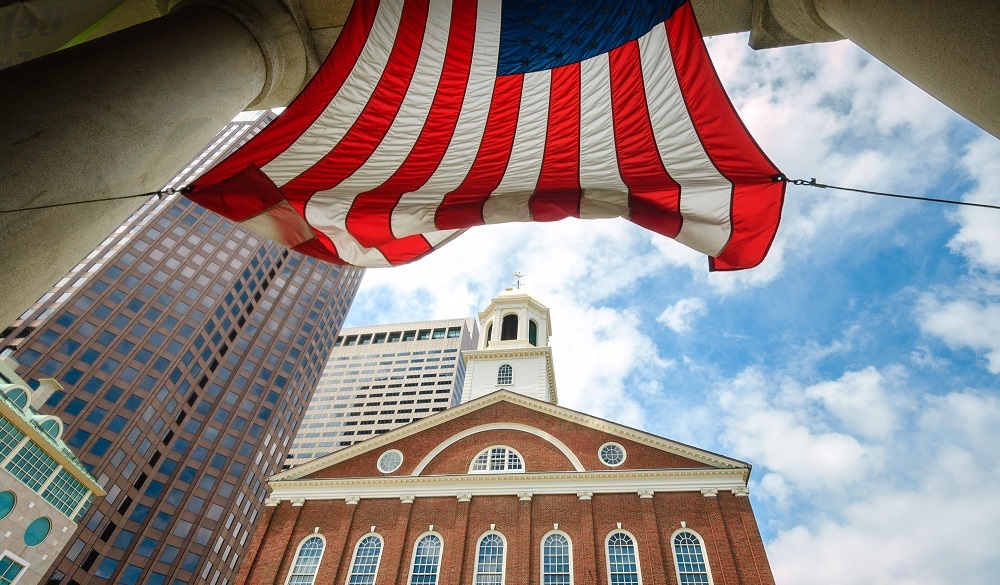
<point x="604" y="192"/>
<point x="412" y="113"/>
<point x="416" y="211"/>
<point x="345" y="107"/>
<point x="509" y="202"/>
<point x="705" y="194"/>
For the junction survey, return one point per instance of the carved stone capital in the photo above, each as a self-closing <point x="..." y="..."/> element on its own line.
<point x="585" y="495"/>
<point x="710" y="493"/>
<point x="524" y="496"/>
<point x="298" y="501"/>
<point x="407" y="499"/>
<point x="741" y="492"/>
<point x="271" y="502"/>
<point x="464" y="497"/>
<point x="352" y="500"/>
<point x="645" y="494"/>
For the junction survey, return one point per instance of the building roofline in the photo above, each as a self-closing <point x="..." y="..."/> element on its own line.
<point x="622" y="431"/>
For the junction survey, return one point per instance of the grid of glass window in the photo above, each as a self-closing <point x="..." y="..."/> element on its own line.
<point x="505" y="375"/>
<point x="10" y="436"/>
<point x="366" y="558"/>
<point x="489" y="560"/>
<point x="691" y="564"/>
<point x="307" y="562"/>
<point x="84" y="508"/>
<point x="612" y="454"/>
<point x="65" y="492"/>
<point x="555" y="560"/>
<point x="9" y="570"/>
<point x="497" y="458"/>
<point x="426" y="560"/>
<point x="32" y="466"/>
<point x="622" y="564"/>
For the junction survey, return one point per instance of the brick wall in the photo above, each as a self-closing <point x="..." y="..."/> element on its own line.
<point x="731" y="542"/>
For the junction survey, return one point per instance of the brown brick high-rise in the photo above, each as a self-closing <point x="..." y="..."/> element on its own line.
<point x="189" y="349"/>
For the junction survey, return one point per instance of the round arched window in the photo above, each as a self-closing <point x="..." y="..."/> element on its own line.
<point x="611" y="454"/>
<point x="36" y="532"/>
<point x="390" y="461"/>
<point x="7" y="501"/>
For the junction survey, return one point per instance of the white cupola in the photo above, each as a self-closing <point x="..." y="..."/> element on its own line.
<point x="513" y="352"/>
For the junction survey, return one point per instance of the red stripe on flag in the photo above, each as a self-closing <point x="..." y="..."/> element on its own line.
<point x="280" y="134"/>
<point x="654" y="198"/>
<point x="557" y="194"/>
<point x="370" y="217"/>
<point x="757" y="199"/>
<point x="463" y="207"/>
<point x="320" y="247"/>
<point x="405" y="249"/>
<point x="376" y="118"/>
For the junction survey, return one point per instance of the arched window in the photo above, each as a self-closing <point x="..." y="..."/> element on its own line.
<point x="508" y="328"/>
<point x="490" y="560"/>
<point x="489" y="334"/>
<point x="505" y="375"/>
<point x="533" y="333"/>
<point x="623" y="562"/>
<point x="557" y="564"/>
<point x="426" y="560"/>
<point x="497" y="458"/>
<point x="689" y="558"/>
<point x="306" y="561"/>
<point x="364" y="567"/>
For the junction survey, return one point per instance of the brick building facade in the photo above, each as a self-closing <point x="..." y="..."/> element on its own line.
<point x="664" y="512"/>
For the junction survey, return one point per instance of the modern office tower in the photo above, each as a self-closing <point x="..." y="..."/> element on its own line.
<point x="381" y="377"/>
<point x="188" y="356"/>
<point x="44" y="489"/>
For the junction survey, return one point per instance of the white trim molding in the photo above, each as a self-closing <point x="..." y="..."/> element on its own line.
<point x="512" y="484"/>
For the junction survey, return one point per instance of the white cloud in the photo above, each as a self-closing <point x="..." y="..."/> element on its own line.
<point x="929" y="525"/>
<point x="978" y="239"/>
<point x="964" y="324"/>
<point x="681" y="315"/>
<point x="860" y="401"/>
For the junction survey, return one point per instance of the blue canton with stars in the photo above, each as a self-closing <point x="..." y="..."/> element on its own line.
<point x="544" y="34"/>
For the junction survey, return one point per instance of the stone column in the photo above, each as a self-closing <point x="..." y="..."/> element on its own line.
<point x="119" y="116"/>
<point x="947" y="49"/>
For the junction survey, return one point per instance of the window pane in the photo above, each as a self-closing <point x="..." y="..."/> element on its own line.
<point x="622" y="562"/>
<point x="555" y="560"/>
<point x="307" y="562"/>
<point x="426" y="559"/>
<point x="489" y="561"/>
<point x="365" y="561"/>
<point x="691" y="564"/>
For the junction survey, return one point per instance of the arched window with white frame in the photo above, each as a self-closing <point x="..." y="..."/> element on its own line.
<point x="557" y="559"/>
<point x="690" y="559"/>
<point x="623" y="559"/>
<point x="497" y="459"/>
<point x="505" y="375"/>
<point x="491" y="553"/>
<point x="426" y="563"/>
<point x="307" y="560"/>
<point x="364" y="565"/>
<point x="508" y="327"/>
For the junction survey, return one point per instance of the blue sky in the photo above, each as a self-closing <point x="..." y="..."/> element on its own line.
<point x="856" y="369"/>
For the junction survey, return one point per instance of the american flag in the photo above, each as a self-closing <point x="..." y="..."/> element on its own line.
<point x="433" y="116"/>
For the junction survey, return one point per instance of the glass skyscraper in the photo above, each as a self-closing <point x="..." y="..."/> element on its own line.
<point x="380" y="377"/>
<point x="188" y="349"/>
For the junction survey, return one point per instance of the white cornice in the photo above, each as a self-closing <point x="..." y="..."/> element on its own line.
<point x="602" y="482"/>
<point x="560" y="412"/>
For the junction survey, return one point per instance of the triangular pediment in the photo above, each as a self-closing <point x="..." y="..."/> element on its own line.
<point x="425" y="438"/>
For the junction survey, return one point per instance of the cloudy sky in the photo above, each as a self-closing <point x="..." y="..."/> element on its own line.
<point x="856" y="369"/>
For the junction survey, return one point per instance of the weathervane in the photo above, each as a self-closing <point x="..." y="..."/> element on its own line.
<point x="518" y="276"/>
